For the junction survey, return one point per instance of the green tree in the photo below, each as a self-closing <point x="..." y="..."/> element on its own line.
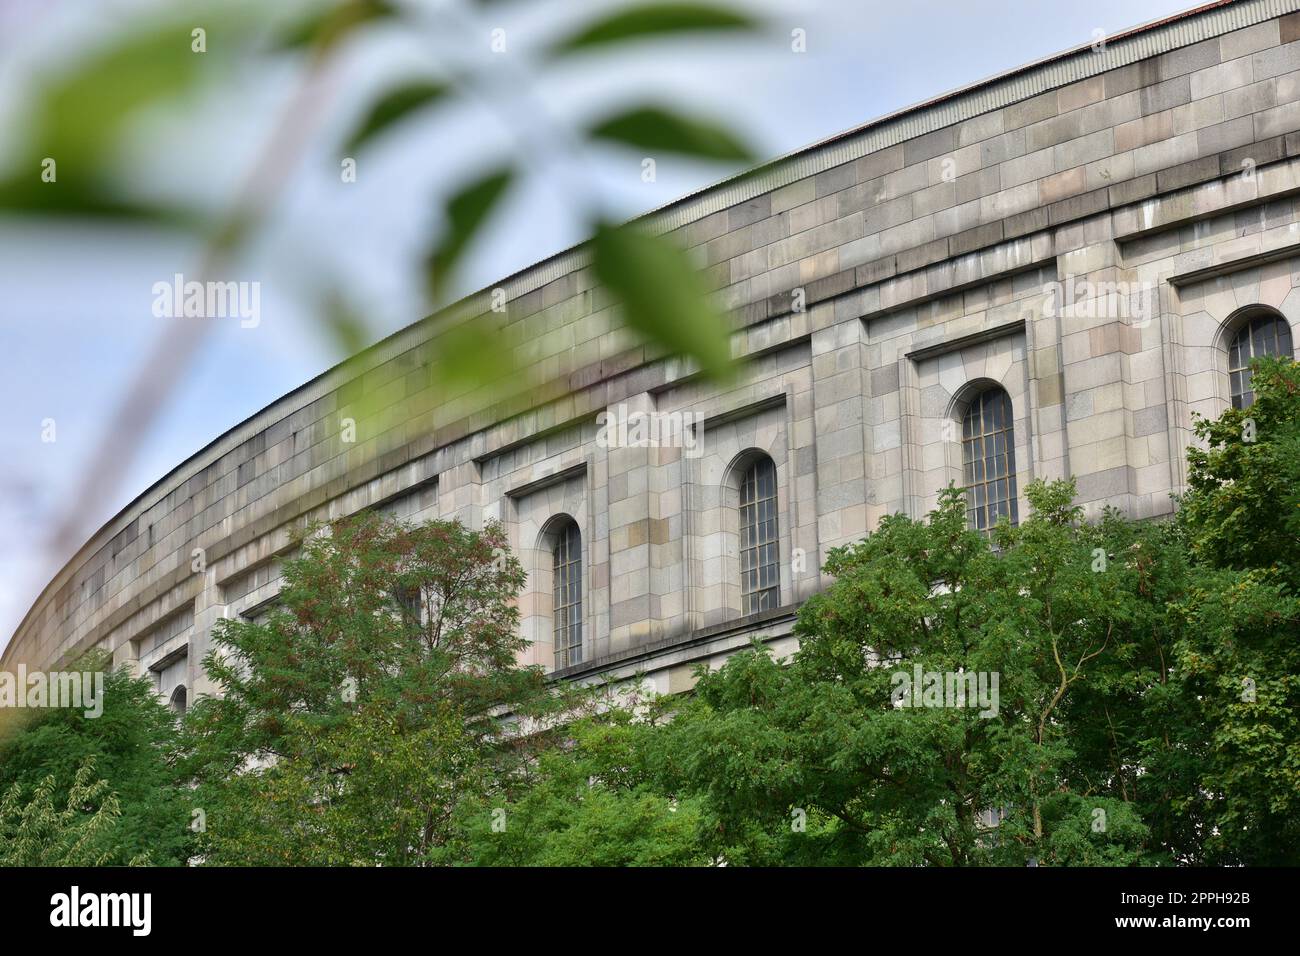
<point x="1239" y="649"/>
<point x="380" y="696"/>
<point x="592" y="802"/>
<point x="131" y="746"/>
<point x="37" y="831"/>
<point x="812" y="761"/>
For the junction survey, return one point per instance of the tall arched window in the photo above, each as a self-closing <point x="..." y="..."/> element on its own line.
<point x="567" y="558"/>
<point x="988" y="455"/>
<point x="1262" y="335"/>
<point x="760" y="580"/>
<point x="179" y="699"/>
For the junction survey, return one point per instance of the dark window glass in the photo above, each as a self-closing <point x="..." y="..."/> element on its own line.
<point x="760" y="579"/>
<point x="567" y="556"/>
<point x="1265" y="335"/>
<point x="988" y="457"/>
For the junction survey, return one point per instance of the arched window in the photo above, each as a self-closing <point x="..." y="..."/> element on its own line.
<point x="988" y="455"/>
<point x="1262" y="335"/>
<point x="178" y="700"/>
<point x="567" y="610"/>
<point x="760" y="581"/>
<point x="409" y="602"/>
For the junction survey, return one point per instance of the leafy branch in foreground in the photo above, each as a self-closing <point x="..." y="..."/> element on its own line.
<point x="66" y="168"/>
<point x="38" y="832"/>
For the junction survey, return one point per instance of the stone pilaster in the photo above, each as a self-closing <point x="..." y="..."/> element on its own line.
<point x="840" y="391"/>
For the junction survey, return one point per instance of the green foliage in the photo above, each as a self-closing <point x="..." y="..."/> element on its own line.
<point x="884" y="785"/>
<point x="654" y="128"/>
<point x="1239" y="649"/>
<point x="83" y="115"/>
<point x="394" y="106"/>
<point x="371" y="704"/>
<point x="592" y="802"/>
<point x="131" y="747"/>
<point x="663" y="297"/>
<point x="78" y="830"/>
<point x="1242" y="509"/>
<point x="467" y="210"/>
<point x="328" y="25"/>
<point x="651" y="20"/>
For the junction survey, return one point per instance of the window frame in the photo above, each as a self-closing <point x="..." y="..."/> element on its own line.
<point x="1242" y="332"/>
<point x="976" y="459"/>
<point x="566" y="582"/>
<point x="759" y="534"/>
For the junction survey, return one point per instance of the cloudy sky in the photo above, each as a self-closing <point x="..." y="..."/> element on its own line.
<point x="75" y="300"/>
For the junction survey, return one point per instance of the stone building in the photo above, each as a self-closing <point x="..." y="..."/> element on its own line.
<point x="1041" y="275"/>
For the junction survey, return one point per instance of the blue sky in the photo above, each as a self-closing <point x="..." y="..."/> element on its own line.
<point x="75" y="301"/>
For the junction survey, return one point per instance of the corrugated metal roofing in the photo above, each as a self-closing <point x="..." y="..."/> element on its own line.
<point x="995" y="92"/>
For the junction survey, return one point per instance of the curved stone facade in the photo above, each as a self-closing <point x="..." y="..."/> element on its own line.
<point x="1087" y="234"/>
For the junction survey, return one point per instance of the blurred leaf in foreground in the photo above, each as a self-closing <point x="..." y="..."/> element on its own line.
<point x="323" y="28"/>
<point x="26" y="193"/>
<point x="658" y="129"/>
<point x="663" y="296"/>
<point x="651" y="20"/>
<point x="80" y="116"/>
<point x="467" y="210"/>
<point x="346" y="327"/>
<point x="393" y="106"/>
<point x="472" y="355"/>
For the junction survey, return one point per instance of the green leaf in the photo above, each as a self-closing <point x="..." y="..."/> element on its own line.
<point x="394" y="106"/>
<point x="466" y="212"/>
<point x="663" y="296"/>
<point x="654" y="19"/>
<point x="29" y="195"/>
<point x="348" y="329"/>
<point x="323" y="29"/>
<point x="470" y="356"/>
<point x="656" y="129"/>
<point x="81" y="114"/>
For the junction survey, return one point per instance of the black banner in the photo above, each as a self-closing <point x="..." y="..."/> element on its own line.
<point x="916" y="906"/>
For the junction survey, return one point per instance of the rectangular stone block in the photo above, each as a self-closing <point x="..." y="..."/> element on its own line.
<point x="1080" y="94"/>
<point x="1198" y="56"/>
<point x="1278" y="120"/>
<point x="1224" y="136"/>
<point x="1029" y="111"/>
<point x="930" y="145"/>
<point x="877" y="164"/>
<point x="1077" y="207"/>
<point x="1150" y="421"/>
<point x="836" y="178"/>
<point x="1185" y="174"/>
<point x="1166" y="95"/>
<point x="1241" y="43"/>
<point x="1062" y="185"/>
<point x="976" y="238"/>
<point x="1275" y="61"/>
<point x="921" y="256"/>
